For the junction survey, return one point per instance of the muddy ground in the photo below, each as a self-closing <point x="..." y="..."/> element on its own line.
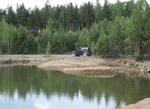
<point x="88" y="66"/>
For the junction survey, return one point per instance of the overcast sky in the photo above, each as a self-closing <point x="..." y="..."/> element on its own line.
<point x="40" y="3"/>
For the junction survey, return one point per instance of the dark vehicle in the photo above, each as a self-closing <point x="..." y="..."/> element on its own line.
<point x="82" y="51"/>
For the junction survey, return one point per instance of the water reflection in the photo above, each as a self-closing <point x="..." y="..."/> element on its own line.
<point x="28" y="87"/>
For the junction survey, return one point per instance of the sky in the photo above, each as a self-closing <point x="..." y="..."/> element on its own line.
<point x="40" y="3"/>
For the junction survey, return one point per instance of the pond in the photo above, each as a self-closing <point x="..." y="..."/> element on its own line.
<point x="23" y="87"/>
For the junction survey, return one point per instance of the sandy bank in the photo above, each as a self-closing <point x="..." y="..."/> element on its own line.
<point x="80" y="65"/>
<point x="143" y="104"/>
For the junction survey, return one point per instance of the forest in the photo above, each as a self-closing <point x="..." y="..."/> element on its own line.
<point x="122" y="28"/>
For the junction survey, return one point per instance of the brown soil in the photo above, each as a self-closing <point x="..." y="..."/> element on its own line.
<point x="144" y="104"/>
<point x="90" y="66"/>
<point x="87" y="66"/>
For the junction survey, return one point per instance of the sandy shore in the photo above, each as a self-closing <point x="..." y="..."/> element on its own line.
<point x="87" y="66"/>
<point x="143" y="104"/>
<point x="80" y="65"/>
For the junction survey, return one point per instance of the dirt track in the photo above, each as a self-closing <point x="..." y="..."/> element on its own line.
<point x="89" y="66"/>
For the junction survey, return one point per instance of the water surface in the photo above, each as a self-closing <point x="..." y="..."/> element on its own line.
<point x="23" y="87"/>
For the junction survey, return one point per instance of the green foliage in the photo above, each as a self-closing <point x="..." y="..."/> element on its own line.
<point x="93" y="47"/>
<point x="31" y="47"/>
<point x="7" y="35"/>
<point x="98" y="12"/>
<point x="112" y="29"/>
<point x="69" y="40"/>
<point x="39" y="49"/>
<point x="22" y="15"/>
<point x="106" y="10"/>
<point x="83" y="39"/>
<point x="87" y="15"/>
<point x="21" y="40"/>
<point x="11" y="17"/>
<point x="117" y="34"/>
<point x="103" y="45"/>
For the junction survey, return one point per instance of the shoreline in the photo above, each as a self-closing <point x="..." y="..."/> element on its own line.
<point x="88" y="66"/>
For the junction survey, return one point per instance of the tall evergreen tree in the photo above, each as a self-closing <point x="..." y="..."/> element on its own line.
<point x="11" y="16"/>
<point x="106" y="10"/>
<point x="137" y="30"/>
<point x="22" y="16"/>
<point x="98" y="12"/>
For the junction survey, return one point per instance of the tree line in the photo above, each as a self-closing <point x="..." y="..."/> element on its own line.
<point x="111" y="29"/>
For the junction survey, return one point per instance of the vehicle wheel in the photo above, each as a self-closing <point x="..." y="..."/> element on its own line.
<point x="85" y="54"/>
<point x="73" y="55"/>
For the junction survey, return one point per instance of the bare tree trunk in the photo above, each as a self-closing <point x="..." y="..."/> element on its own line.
<point x="137" y="49"/>
<point x="8" y="47"/>
<point x="71" y="26"/>
<point x="82" y="26"/>
<point x="1" y="48"/>
<point x="149" y="48"/>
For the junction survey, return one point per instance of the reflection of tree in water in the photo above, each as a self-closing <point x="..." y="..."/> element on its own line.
<point x="30" y="80"/>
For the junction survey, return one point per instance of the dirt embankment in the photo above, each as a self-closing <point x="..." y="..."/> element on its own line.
<point x="143" y="104"/>
<point x="95" y="66"/>
<point x="89" y="66"/>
